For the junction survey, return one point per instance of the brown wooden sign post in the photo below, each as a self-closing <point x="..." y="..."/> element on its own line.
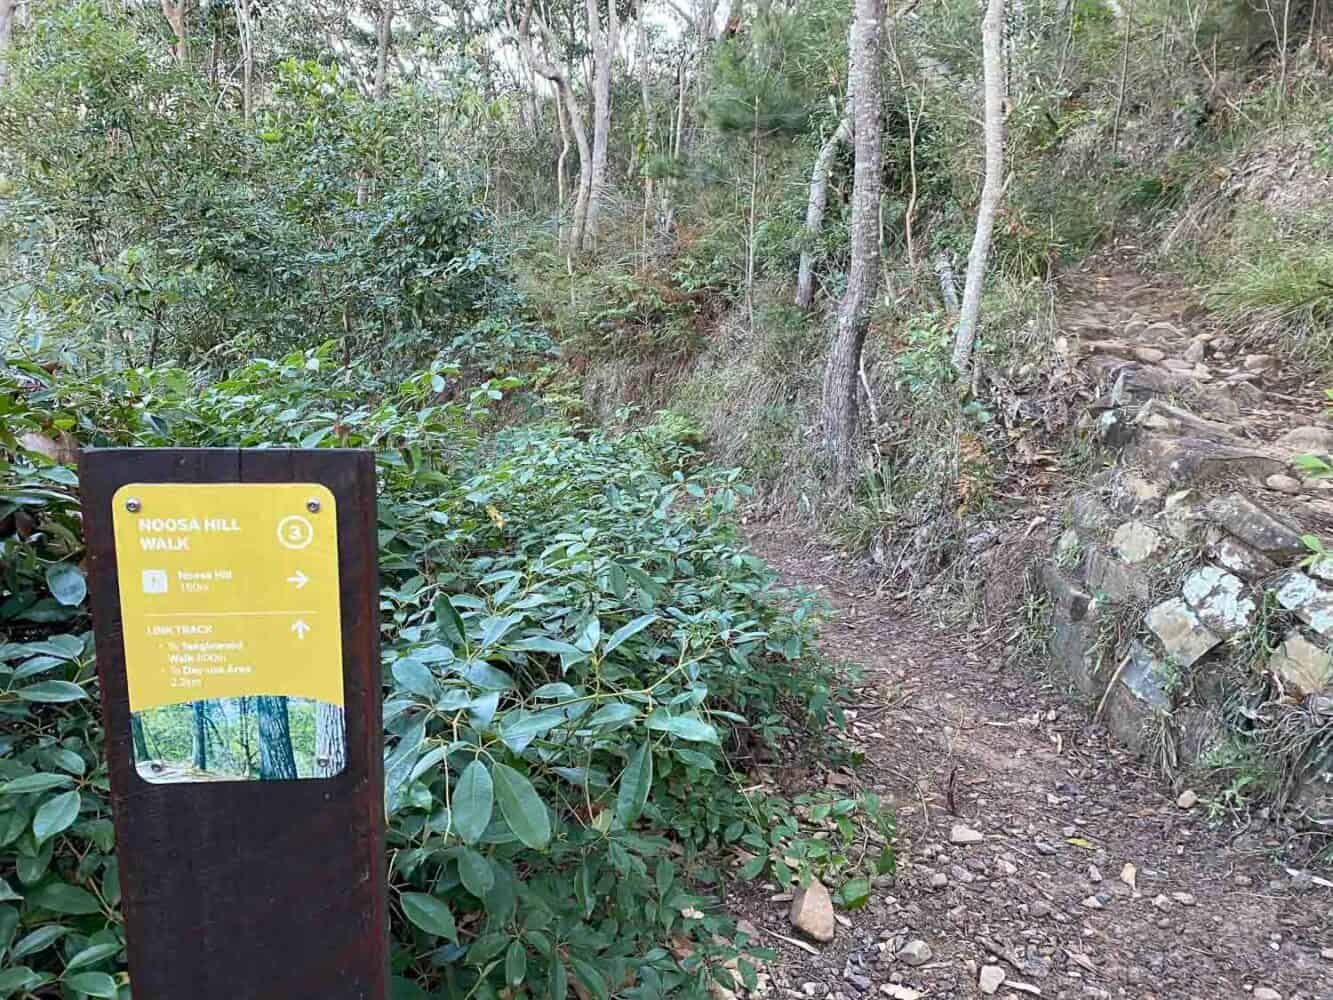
<point x="235" y="604"/>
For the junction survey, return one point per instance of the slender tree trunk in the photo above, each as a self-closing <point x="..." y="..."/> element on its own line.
<point x="330" y="741"/>
<point x="6" y="38"/>
<point x="246" y="25"/>
<point x="383" y="37"/>
<point x="559" y="76"/>
<point x="948" y="286"/>
<point x="677" y="142"/>
<point x="560" y="162"/>
<point x="276" y="760"/>
<point x="604" y="43"/>
<point x="814" y="209"/>
<point x="840" y="375"/>
<point x="200" y="752"/>
<point x="175" y="15"/>
<point x="140" y="741"/>
<point x="1124" y="78"/>
<point x="992" y="189"/>
<point x="750" y="227"/>
<point x="649" y="145"/>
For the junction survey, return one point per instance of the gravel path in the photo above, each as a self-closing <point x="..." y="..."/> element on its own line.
<point x="1045" y="896"/>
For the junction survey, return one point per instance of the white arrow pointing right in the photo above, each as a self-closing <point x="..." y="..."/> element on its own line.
<point x="299" y="579"/>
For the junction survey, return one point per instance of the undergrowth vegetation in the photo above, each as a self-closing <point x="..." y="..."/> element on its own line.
<point x="581" y="664"/>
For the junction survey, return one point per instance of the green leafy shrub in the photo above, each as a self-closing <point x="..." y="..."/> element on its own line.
<point x="577" y="646"/>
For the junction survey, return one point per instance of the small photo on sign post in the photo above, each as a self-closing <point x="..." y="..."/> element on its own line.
<point x="232" y="630"/>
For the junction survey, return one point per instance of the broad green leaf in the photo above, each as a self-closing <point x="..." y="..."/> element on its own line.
<point x="415" y="677"/>
<point x="635" y="783"/>
<point x="449" y="621"/>
<point x="476" y="873"/>
<point x="626" y="632"/>
<point x="541" y="644"/>
<point x="591" y="978"/>
<point x="472" y="802"/>
<point x="854" y="893"/>
<point x="92" y="955"/>
<point x="430" y="914"/>
<point x="93" y="984"/>
<point x="516" y="963"/>
<point x="487" y="947"/>
<point x="40" y="782"/>
<point x="68" y="760"/>
<point x="67" y="584"/>
<point x="685" y="727"/>
<point x="38" y="941"/>
<point x="521" y="807"/>
<point x="520" y="727"/>
<point x="18" y="978"/>
<point x="617" y="713"/>
<point x="61" y="897"/>
<point x="56" y="815"/>
<point x="52" y="691"/>
<point x="557" y="981"/>
<point x="554" y="692"/>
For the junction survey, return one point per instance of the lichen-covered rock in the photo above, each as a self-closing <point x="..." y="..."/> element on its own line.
<point x="1308" y="440"/>
<point x="1301" y="666"/>
<point x="1069" y="548"/>
<point x="1283" y="484"/>
<point x="1192" y="461"/>
<point x="1182" y="635"/>
<point x="1117" y="581"/>
<point x="1219" y="599"/>
<point x="1256" y="527"/>
<point x="1138" y="697"/>
<point x="1311" y="603"/>
<point x="1134" y="496"/>
<point x="1145" y="677"/>
<point x="1181" y="514"/>
<point x="1233" y="554"/>
<point x="1135" y="542"/>
<point x="1113" y="430"/>
<point x="1322" y="568"/>
<point x="1091" y="517"/>
<point x="1072" y="645"/>
<point x="1067" y="597"/>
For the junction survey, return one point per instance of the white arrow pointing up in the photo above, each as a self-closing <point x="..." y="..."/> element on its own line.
<point x="300" y="628"/>
<point x="299" y="579"/>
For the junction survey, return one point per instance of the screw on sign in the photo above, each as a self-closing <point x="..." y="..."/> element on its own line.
<point x="234" y="600"/>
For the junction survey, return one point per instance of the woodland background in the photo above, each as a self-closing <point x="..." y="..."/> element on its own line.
<point x="593" y="280"/>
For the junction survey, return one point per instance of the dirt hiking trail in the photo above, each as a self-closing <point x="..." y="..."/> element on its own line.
<point x="1053" y="812"/>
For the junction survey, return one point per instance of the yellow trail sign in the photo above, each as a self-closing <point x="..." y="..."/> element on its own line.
<point x="228" y="590"/>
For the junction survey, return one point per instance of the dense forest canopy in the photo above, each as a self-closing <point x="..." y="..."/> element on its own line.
<point x="561" y="265"/>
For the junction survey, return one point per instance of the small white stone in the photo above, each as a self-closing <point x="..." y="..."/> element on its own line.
<point x="961" y="834"/>
<point x="1266" y="993"/>
<point x="915" y="952"/>
<point x="812" y="911"/>
<point x="990" y="980"/>
<point x="1189" y="798"/>
<point x="1283" y="484"/>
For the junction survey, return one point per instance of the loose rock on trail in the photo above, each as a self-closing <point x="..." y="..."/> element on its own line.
<point x="1068" y="871"/>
